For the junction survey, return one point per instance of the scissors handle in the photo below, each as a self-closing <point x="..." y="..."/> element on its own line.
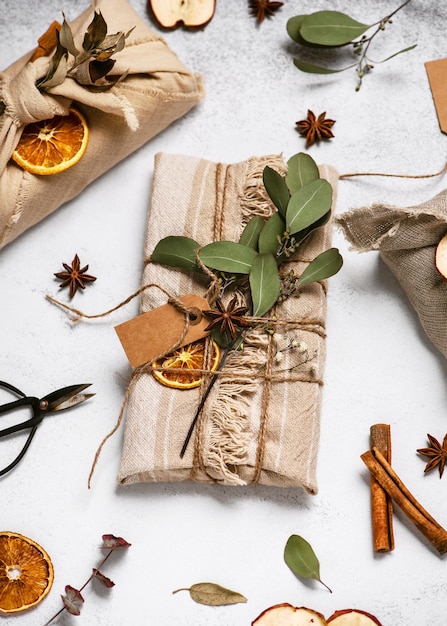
<point x="31" y="422"/>
<point x="22" y="452"/>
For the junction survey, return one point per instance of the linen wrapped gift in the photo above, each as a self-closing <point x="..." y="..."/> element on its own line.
<point x="261" y="421"/>
<point x="156" y="90"/>
<point x="407" y="238"/>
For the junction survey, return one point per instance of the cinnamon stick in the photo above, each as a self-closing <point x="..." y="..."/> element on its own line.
<point x="381" y="505"/>
<point x="46" y="42"/>
<point x="398" y="492"/>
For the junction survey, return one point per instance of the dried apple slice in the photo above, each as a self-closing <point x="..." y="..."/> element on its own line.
<point x="441" y="257"/>
<point x="352" y="617"/>
<point x="287" y="615"/>
<point x="192" y="13"/>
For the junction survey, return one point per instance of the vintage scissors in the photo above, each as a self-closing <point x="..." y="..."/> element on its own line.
<point x="56" y="401"/>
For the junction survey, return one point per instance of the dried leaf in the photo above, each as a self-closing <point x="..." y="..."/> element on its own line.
<point x="264" y="283"/>
<point x="72" y="600"/>
<point x="99" y="69"/>
<point x="228" y="256"/>
<point x="177" y="251"/>
<point x="331" y="28"/>
<point x="110" y="542"/>
<point x="271" y="235"/>
<point x="58" y="69"/>
<point x="302" y="560"/>
<point x="212" y="594"/>
<point x="301" y="170"/>
<point x="103" y="579"/>
<point x="110" y="45"/>
<point x="66" y="38"/>
<point x="276" y="188"/>
<point x="250" y="234"/>
<point x="96" y="32"/>
<point x="308" y="204"/>
<point x="323" y="266"/>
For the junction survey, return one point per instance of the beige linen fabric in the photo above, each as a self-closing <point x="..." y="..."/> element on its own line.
<point x="158" y="90"/>
<point x="260" y="423"/>
<point x="406" y="239"/>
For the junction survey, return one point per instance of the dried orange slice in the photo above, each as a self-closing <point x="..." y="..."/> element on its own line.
<point x="52" y="146"/>
<point x="26" y="573"/>
<point x="184" y="362"/>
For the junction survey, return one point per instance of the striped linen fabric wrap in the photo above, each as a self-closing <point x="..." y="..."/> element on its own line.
<point x="261" y="421"/>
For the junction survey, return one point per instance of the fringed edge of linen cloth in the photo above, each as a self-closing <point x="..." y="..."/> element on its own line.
<point x="229" y="437"/>
<point x="226" y="447"/>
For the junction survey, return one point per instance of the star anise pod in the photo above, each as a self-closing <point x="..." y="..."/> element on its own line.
<point x="315" y="128"/>
<point x="260" y="9"/>
<point x="227" y="319"/>
<point x="437" y="454"/>
<point x="74" y="276"/>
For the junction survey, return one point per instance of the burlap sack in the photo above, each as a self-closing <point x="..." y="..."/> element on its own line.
<point x="406" y="239"/>
<point x="261" y="422"/>
<point x="158" y="90"/>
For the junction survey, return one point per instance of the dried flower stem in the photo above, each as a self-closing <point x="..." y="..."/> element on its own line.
<point x="73" y="604"/>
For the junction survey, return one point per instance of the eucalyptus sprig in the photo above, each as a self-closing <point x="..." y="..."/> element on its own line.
<point x="302" y="202"/>
<point x="327" y="30"/>
<point x="89" y="66"/>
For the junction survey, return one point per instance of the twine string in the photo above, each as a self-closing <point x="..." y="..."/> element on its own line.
<point x="351" y="175"/>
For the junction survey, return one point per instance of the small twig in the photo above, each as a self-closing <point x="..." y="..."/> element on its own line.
<point x="204" y="399"/>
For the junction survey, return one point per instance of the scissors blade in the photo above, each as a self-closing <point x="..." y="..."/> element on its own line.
<point x="67" y="397"/>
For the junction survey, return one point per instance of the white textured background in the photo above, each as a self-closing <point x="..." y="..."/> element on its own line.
<point x="380" y="366"/>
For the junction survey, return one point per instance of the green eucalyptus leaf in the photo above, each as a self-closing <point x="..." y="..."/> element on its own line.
<point x="276" y="188"/>
<point x="308" y="204"/>
<point x="272" y="233"/>
<point x="301" y="170"/>
<point x="331" y="28"/>
<point x="310" y="68"/>
<point x="303" y="234"/>
<point x="264" y="283"/>
<point x="177" y="251"/>
<point x="225" y="340"/>
<point x="250" y="234"/>
<point x="396" y="53"/>
<point x="212" y="594"/>
<point x="293" y="29"/>
<point x="66" y="38"/>
<point x="228" y="256"/>
<point x="301" y="558"/>
<point x="323" y="266"/>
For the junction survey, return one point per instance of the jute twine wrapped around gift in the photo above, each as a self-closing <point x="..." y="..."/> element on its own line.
<point x="157" y="90"/>
<point x="406" y="239"/>
<point x="261" y="421"/>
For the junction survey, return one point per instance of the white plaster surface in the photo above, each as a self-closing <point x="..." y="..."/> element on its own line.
<point x="380" y="366"/>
